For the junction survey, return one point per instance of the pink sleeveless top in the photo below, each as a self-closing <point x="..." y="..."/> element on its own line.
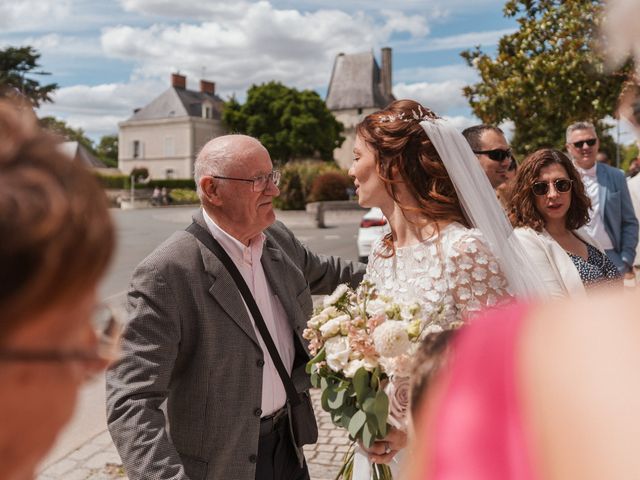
<point x="477" y="431"/>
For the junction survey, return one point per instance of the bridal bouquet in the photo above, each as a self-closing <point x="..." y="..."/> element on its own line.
<point x="363" y="344"/>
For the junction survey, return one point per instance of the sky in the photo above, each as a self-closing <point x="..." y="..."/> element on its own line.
<point x="112" y="56"/>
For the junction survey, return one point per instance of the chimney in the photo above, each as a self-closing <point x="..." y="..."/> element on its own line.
<point x="386" y="71"/>
<point x="207" y="87"/>
<point x="178" y="81"/>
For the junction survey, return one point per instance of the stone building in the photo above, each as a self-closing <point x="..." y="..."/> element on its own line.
<point x="166" y="135"/>
<point x="358" y="87"/>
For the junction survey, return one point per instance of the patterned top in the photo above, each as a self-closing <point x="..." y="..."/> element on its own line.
<point x="455" y="271"/>
<point x="597" y="268"/>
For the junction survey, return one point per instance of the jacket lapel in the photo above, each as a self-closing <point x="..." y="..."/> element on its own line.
<point x="601" y="176"/>
<point x="223" y="289"/>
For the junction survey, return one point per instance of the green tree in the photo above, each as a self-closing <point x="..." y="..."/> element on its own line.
<point x="61" y="128"/>
<point x="545" y="75"/>
<point x="289" y="123"/>
<point x="107" y="150"/>
<point x="17" y="64"/>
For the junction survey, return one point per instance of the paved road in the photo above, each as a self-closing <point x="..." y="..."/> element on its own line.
<point x="84" y="449"/>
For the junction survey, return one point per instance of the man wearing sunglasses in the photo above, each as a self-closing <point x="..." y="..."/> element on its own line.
<point x="613" y="222"/>
<point x="493" y="151"/>
<point x="193" y="342"/>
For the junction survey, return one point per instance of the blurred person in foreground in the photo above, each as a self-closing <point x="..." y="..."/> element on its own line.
<point x="538" y="392"/>
<point x="56" y="241"/>
<point x="549" y="210"/>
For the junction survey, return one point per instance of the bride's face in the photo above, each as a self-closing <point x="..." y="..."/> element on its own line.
<point x="364" y="170"/>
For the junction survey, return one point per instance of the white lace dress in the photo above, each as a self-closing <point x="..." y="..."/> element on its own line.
<point x="455" y="271"/>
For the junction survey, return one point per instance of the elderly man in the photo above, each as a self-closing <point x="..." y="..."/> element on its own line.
<point x="613" y="223"/>
<point x="493" y="151"/>
<point x="191" y="340"/>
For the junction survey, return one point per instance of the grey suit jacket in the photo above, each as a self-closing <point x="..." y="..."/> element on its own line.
<point x="190" y="342"/>
<point x="620" y="220"/>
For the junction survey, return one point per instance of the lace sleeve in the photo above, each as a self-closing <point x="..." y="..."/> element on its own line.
<point x="476" y="280"/>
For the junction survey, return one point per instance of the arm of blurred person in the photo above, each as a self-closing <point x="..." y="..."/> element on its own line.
<point x="138" y="383"/>
<point x="323" y="273"/>
<point x="541" y="259"/>
<point x="581" y="388"/>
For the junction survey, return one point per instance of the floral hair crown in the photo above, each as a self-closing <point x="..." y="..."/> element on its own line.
<point x="418" y="116"/>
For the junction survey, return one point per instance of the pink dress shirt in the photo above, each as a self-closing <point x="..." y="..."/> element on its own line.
<point x="247" y="259"/>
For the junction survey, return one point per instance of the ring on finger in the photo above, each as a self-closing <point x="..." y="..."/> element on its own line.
<point x="387" y="448"/>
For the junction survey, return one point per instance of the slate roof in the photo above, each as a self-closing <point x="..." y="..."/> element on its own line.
<point x="79" y="153"/>
<point x="356" y="83"/>
<point x="178" y="102"/>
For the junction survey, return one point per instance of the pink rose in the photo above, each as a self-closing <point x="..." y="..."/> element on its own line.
<point x="398" y="392"/>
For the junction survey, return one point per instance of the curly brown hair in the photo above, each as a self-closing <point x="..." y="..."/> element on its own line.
<point x="402" y="147"/>
<point x="522" y="207"/>
<point x="57" y="234"/>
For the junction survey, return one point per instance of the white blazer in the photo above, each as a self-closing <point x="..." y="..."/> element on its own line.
<point x="552" y="262"/>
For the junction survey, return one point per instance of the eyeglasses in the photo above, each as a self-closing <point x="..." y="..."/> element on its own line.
<point x="591" y="142"/>
<point x="497" y="154"/>
<point x="107" y="329"/>
<point x="562" y="185"/>
<point x="259" y="183"/>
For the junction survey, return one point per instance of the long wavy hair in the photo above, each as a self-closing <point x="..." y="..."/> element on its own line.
<point x="522" y="206"/>
<point x="405" y="155"/>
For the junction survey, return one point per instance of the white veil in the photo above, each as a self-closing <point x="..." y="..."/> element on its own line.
<point x="482" y="209"/>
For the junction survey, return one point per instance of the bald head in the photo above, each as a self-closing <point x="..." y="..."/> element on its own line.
<point x="222" y="154"/>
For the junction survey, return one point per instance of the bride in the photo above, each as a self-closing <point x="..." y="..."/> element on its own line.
<point x="423" y="176"/>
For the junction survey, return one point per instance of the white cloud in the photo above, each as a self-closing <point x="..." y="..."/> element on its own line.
<point x="441" y="97"/>
<point x="53" y="44"/>
<point x="98" y="109"/>
<point x="457" y="42"/>
<point x="25" y="15"/>
<point x="263" y="44"/>
<point x="443" y="73"/>
<point x="461" y="122"/>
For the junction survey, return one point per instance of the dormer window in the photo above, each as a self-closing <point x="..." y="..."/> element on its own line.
<point x="207" y="111"/>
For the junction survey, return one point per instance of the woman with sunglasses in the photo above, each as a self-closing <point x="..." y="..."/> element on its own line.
<point x="56" y="240"/>
<point x="549" y="207"/>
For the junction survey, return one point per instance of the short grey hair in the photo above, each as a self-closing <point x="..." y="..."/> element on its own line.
<point x="213" y="159"/>
<point x="580" y="126"/>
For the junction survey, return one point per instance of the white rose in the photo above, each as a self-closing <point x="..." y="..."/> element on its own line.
<point x="317" y="320"/>
<point x="336" y="295"/>
<point x="398" y="391"/>
<point x="337" y="351"/>
<point x="391" y="339"/>
<point x="375" y="307"/>
<point x="332" y="327"/>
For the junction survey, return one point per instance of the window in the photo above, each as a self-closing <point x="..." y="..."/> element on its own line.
<point x="206" y="111"/>
<point x="136" y="149"/>
<point x="169" y="147"/>
<point x="359" y="111"/>
<point x="169" y="173"/>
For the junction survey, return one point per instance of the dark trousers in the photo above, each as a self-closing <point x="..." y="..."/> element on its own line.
<point x="277" y="459"/>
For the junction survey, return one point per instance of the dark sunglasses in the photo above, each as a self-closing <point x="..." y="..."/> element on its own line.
<point x="497" y="155"/>
<point x="562" y="185"/>
<point x="591" y="142"/>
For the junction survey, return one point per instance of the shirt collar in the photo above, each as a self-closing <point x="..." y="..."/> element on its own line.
<point x="589" y="172"/>
<point x="238" y="251"/>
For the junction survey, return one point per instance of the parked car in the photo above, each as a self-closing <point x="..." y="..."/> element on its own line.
<point x="372" y="227"/>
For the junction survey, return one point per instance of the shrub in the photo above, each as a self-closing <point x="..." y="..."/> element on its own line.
<point x="140" y="173"/>
<point x="113" y="182"/>
<point x="183" y="196"/>
<point x="186" y="183"/>
<point x="330" y="186"/>
<point x="296" y="181"/>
